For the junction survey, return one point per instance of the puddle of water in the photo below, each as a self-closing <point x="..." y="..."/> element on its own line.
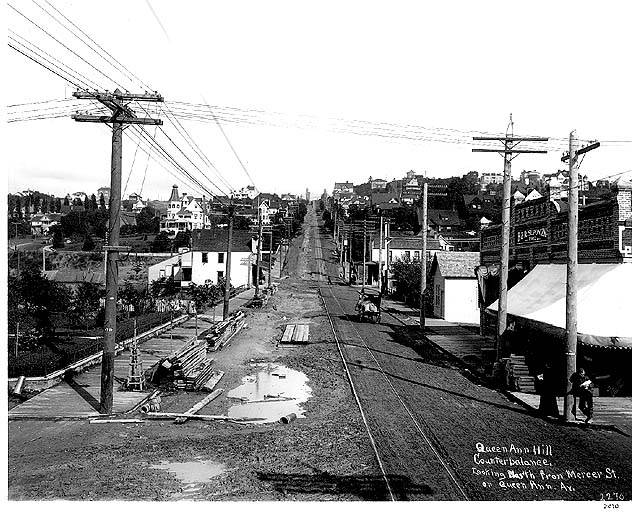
<point x="192" y="474"/>
<point x="272" y="392"/>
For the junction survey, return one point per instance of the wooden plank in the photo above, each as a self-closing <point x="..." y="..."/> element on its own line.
<point x="203" y="417"/>
<point x="208" y="399"/>
<point x="306" y="334"/>
<point x="298" y="333"/>
<point x="289" y="331"/>
<point x="212" y="382"/>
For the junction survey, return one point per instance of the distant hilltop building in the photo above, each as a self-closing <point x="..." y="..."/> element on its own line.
<point x="490" y="178"/>
<point x="249" y="192"/>
<point x="105" y="192"/>
<point x="185" y="212"/>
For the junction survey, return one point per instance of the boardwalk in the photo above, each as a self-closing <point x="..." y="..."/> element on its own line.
<point x="80" y="397"/>
<point x="608" y="410"/>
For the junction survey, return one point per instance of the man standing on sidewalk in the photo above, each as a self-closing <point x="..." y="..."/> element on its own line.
<point x="582" y="387"/>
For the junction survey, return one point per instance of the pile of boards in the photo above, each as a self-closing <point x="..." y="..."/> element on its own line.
<point x="295" y="333"/>
<point x="222" y="333"/>
<point x="190" y="367"/>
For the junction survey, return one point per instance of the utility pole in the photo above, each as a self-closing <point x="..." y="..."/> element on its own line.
<point x="259" y="228"/>
<point x="364" y="257"/>
<point x="509" y="152"/>
<point x="351" y="252"/>
<point x="231" y="216"/>
<point x="270" y="261"/>
<point x="424" y="248"/>
<point x="379" y="258"/>
<point x="571" y="265"/>
<point x="121" y="114"/>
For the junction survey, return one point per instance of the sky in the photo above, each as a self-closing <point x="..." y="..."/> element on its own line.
<point x="555" y="66"/>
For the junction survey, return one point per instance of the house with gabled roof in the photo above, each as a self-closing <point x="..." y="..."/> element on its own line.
<point x="205" y="261"/>
<point x="42" y="222"/>
<point x="185" y="212"/>
<point x="455" y="287"/>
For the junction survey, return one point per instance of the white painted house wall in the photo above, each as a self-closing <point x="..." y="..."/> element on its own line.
<point x="456" y="299"/>
<point x="202" y="273"/>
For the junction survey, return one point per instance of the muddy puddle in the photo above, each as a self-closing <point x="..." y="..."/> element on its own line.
<point x="272" y="392"/>
<point x="193" y="474"/>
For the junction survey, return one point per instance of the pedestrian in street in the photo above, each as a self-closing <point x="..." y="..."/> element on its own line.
<point x="546" y="388"/>
<point x="582" y="388"/>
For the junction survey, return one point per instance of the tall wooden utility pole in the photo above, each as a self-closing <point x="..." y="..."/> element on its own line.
<point x="270" y="261"/>
<point x="424" y="249"/>
<point x="571" y="266"/>
<point x="379" y="258"/>
<point x="121" y="115"/>
<point x="231" y="217"/>
<point x="364" y="256"/>
<point x="259" y="233"/>
<point x="508" y="152"/>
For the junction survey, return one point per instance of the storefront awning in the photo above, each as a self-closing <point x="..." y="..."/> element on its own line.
<point x="604" y="301"/>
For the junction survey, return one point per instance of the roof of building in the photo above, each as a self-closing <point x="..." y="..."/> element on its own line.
<point x="413" y="243"/>
<point x="174" y="194"/>
<point x="470" y="198"/>
<point x="216" y="240"/>
<point x="442" y="217"/>
<point x="456" y="264"/>
<point x="72" y="276"/>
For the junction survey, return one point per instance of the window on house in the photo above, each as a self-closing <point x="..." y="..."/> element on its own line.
<point x="416" y="255"/>
<point x="162" y="272"/>
<point x="438" y="295"/>
<point x="186" y="274"/>
<point x="407" y="254"/>
<point x="220" y="257"/>
<point x="205" y="257"/>
<point x="390" y="255"/>
<point x="220" y="275"/>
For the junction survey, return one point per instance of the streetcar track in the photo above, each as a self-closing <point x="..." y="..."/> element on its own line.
<point x="414" y="420"/>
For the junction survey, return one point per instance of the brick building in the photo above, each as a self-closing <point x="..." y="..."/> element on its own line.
<point x="539" y="232"/>
<point x="537" y="277"/>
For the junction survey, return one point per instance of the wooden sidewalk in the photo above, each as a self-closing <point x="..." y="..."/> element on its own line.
<point x="80" y="397"/>
<point x="608" y="410"/>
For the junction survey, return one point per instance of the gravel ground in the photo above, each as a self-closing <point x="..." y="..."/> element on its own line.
<point x="325" y="456"/>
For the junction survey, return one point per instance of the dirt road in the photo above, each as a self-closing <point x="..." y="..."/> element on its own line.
<point x="441" y="434"/>
<point x="325" y="455"/>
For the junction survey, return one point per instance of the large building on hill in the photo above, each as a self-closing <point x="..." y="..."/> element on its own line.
<point x="185" y="212"/>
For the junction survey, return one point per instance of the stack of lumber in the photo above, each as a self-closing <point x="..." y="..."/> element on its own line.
<point x="191" y="369"/>
<point x="222" y="333"/>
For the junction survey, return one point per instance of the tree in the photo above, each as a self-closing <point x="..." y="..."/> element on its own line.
<point x="40" y="297"/>
<point x="182" y="239"/>
<point x="58" y="205"/>
<point x="161" y="243"/>
<point x="130" y="296"/>
<point x="66" y="201"/>
<point x="147" y="220"/>
<point x="102" y="203"/>
<point x="164" y="287"/>
<point x="77" y="202"/>
<point x="88" y="243"/>
<point x="58" y="237"/>
<point x="85" y="303"/>
<point x="93" y="202"/>
<point x="18" y="208"/>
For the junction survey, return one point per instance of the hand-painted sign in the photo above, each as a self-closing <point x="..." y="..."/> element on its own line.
<point x="528" y="236"/>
